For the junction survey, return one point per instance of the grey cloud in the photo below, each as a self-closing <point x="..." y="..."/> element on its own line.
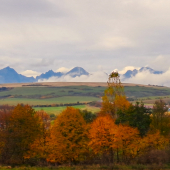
<point x="95" y="77"/>
<point x="110" y="33"/>
<point x="148" y="78"/>
<point x="29" y="8"/>
<point x="43" y="62"/>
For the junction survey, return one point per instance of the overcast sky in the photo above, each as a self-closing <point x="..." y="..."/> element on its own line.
<point x="97" y="35"/>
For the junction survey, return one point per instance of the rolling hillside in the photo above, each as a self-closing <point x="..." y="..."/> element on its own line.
<point x="57" y="93"/>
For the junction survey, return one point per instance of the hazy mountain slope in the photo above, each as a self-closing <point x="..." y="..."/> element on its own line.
<point x="77" y="71"/>
<point x="49" y="74"/>
<point x="9" y="75"/>
<point x="133" y="73"/>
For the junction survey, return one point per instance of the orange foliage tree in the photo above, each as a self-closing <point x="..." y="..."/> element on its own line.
<point x="68" y="137"/>
<point x="38" y="149"/>
<point x="107" y="137"/>
<point x="125" y="140"/>
<point x="21" y="131"/>
<point x="153" y="141"/>
<point x="101" y="138"/>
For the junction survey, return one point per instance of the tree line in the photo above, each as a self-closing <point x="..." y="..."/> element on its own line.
<point x="120" y="133"/>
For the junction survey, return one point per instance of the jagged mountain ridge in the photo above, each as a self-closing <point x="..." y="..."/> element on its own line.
<point x="49" y="74"/>
<point x="133" y="73"/>
<point x="77" y="71"/>
<point x="9" y="75"/>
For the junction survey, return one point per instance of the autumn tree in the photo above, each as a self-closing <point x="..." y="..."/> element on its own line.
<point x="160" y="118"/>
<point x="38" y="149"/>
<point x="137" y="116"/>
<point x="101" y="138"/>
<point x="150" y="142"/>
<point x="5" y="113"/>
<point x="125" y="142"/>
<point x="108" y="138"/>
<point x="22" y="130"/>
<point x="114" y="97"/>
<point x="68" y="137"/>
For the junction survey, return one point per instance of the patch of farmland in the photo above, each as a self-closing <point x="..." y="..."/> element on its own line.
<point x="58" y="110"/>
<point x="142" y="91"/>
<point x="58" y="100"/>
<point x="52" y="92"/>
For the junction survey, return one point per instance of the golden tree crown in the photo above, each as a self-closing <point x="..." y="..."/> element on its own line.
<point x="114" y="74"/>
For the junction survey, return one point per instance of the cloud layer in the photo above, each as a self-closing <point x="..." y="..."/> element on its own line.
<point x="144" y="78"/>
<point x="95" y="77"/>
<point x="154" y="79"/>
<point x="47" y="34"/>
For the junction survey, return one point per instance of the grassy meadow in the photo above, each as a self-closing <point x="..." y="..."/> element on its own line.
<point x="40" y="92"/>
<point x="48" y="101"/>
<point x="58" y="110"/>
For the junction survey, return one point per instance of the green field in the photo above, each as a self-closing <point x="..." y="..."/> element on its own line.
<point x="142" y="91"/>
<point x="52" y="92"/>
<point x="58" y="100"/>
<point x="58" y="110"/>
<point x="48" y="95"/>
<point x="38" y="92"/>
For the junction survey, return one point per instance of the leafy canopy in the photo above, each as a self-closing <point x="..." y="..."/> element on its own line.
<point x="137" y="116"/>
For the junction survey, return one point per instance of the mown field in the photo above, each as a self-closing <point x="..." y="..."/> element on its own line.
<point x="58" y="110"/>
<point x="48" y="101"/>
<point x="53" y="92"/>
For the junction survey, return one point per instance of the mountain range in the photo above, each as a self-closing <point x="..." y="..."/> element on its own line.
<point x="133" y="73"/>
<point x="9" y="75"/>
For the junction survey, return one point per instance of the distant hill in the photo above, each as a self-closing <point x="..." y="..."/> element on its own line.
<point x="9" y="75"/>
<point x="132" y="73"/>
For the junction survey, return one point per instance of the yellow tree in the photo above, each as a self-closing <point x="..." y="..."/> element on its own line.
<point x="160" y="118"/>
<point x="153" y="141"/>
<point x="114" y="97"/>
<point x="68" y="137"/>
<point x="125" y="142"/>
